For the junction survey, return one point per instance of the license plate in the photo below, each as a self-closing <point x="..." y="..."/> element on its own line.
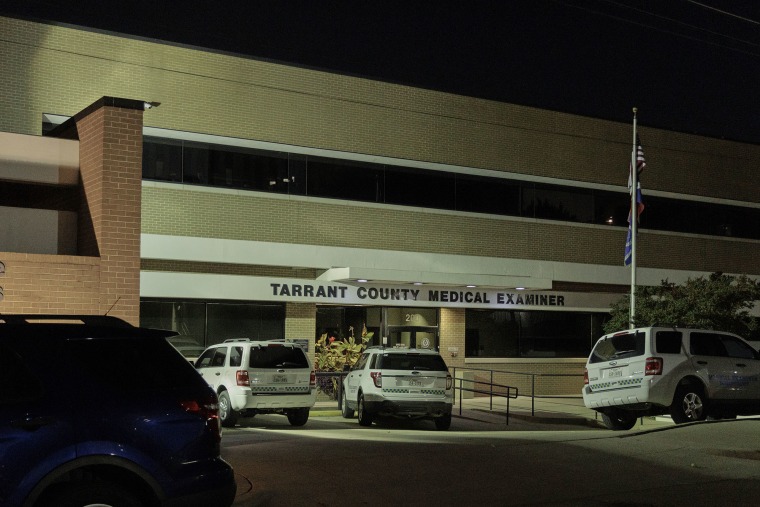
<point x="614" y="372"/>
<point x="415" y="382"/>
<point x="279" y="379"/>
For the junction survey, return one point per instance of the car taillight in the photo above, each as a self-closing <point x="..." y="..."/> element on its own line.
<point x="207" y="409"/>
<point x="377" y="378"/>
<point x="313" y="380"/>
<point x="585" y="376"/>
<point x="449" y="381"/>
<point x="241" y="377"/>
<point x="653" y="366"/>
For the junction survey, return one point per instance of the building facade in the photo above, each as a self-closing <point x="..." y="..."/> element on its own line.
<point x="274" y="201"/>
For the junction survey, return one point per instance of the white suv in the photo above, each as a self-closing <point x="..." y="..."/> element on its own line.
<point x="259" y="377"/>
<point x="690" y="374"/>
<point x="397" y="382"/>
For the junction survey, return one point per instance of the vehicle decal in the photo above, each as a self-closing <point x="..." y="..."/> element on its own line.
<point x="617" y="383"/>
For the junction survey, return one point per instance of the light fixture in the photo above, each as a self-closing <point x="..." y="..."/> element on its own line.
<point x="150" y="105"/>
<point x="417" y="283"/>
<point x="362" y="280"/>
<point x="471" y="286"/>
<point x="519" y="288"/>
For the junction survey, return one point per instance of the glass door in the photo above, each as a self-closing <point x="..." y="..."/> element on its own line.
<point x="420" y="337"/>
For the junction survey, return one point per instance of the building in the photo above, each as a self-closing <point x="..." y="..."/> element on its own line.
<point x="281" y="202"/>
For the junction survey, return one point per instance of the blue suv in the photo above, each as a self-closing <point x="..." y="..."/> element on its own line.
<point x="95" y="411"/>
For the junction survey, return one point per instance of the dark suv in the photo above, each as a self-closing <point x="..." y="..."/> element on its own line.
<point x="96" y="411"/>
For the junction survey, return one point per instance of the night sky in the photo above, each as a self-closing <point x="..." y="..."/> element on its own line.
<point x="688" y="65"/>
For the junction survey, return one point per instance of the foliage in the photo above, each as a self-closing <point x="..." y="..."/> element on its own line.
<point x="333" y="354"/>
<point x="720" y="302"/>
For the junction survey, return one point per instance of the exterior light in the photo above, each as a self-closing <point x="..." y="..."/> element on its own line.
<point x="362" y="280"/>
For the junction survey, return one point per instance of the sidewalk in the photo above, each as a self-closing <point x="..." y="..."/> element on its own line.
<point x="525" y="413"/>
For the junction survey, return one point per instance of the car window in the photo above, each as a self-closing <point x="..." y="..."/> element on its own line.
<point x="737" y="348"/>
<point x="668" y="342"/>
<point x="420" y="362"/>
<point x="130" y="364"/>
<point x="707" y="344"/>
<point x="17" y="382"/>
<point x="362" y="362"/>
<point x="236" y="356"/>
<point x="618" y="346"/>
<point x="220" y="355"/>
<point x="277" y="356"/>
<point x="204" y="361"/>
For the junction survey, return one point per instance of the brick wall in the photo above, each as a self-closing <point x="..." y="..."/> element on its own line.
<point x="301" y="322"/>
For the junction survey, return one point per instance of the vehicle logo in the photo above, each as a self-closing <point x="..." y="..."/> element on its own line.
<point x="613" y="363"/>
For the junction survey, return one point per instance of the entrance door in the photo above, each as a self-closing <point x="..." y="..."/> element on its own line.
<point x="420" y="337"/>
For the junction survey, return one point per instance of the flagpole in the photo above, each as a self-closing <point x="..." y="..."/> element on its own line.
<point x="634" y="221"/>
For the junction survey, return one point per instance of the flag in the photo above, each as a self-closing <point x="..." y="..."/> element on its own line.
<point x="640" y="165"/>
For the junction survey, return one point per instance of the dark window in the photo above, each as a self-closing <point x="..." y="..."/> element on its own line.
<point x="419" y="362"/>
<point x="618" y="347"/>
<point x="17" y="382"/>
<point x="509" y="333"/>
<point x="481" y="194"/>
<point x="707" y="344"/>
<point x="277" y="356"/>
<point x="162" y="159"/>
<point x="737" y="348"/>
<point x="344" y="179"/>
<point x="668" y="342"/>
<point x="611" y="208"/>
<point x="362" y="362"/>
<point x="236" y="356"/>
<point x="563" y="203"/>
<point x="418" y="187"/>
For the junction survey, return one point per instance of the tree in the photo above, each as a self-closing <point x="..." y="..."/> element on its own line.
<point x="719" y="302"/>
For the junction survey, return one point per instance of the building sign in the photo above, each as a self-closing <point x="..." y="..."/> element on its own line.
<point x="208" y="287"/>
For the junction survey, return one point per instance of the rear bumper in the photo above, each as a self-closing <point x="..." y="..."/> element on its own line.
<point x="248" y="401"/>
<point x="410" y="408"/>
<point x="635" y="396"/>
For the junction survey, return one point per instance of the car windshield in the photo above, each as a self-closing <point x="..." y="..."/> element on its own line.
<point x="619" y="346"/>
<point x="412" y="362"/>
<point x="277" y="356"/>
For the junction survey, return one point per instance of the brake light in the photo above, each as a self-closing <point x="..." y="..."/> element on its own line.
<point x="313" y="380"/>
<point x="585" y="376"/>
<point x="377" y="378"/>
<point x="653" y="366"/>
<point x="449" y="381"/>
<point x="207" y="409"/>
<point x="242" y="379"/>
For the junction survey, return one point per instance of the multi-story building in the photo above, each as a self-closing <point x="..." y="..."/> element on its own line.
<point x="267" y="200"/>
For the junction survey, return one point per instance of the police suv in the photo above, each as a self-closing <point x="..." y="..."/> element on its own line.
<point x="691" y="374"/>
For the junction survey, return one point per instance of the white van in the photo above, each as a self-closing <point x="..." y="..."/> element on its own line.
<point x="690" y="374"/>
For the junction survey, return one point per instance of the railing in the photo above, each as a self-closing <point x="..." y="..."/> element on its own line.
<point x="510" y="392"/>
<point x="530" y="380"/>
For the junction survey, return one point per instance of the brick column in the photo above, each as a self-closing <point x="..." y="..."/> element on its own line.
<point x="110" y="144"/>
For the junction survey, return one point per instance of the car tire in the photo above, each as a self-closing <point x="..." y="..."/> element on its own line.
<point x="365" y="418"/>
<point x="346" y="412"/>
<point x="443" y="423"/>
<point x="91" y="493"/>
<point x="689" y="404"/>
<point x="298" y="416"/>
<point x="227" y="416"/>
<point x="618" y="420"/>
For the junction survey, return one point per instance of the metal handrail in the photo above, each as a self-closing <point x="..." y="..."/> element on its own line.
<point x="510" y="394"/>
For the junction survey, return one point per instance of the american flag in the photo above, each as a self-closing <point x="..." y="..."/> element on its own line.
<point x="640" y="165"/>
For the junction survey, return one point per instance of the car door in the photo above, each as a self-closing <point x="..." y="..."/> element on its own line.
<point x="745" y="375"/>
<point x="354" y="378"/>
<point x="711" y="360"/>
<point x="211" y="365"/>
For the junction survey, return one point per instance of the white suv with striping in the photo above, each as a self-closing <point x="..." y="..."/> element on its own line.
<point x="399" y="382"/>
<point x="259" y="377"/>
<point x="690" y="374"/>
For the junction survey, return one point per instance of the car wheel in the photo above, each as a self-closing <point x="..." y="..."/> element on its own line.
<point x="443" y="422"/>
<point x="365" y="418"/>
<point x="346" y="412"/>
<point x="618" y="420"/>
<point x="689" y="405"/>
<point x="298" y="416"/>
<point x="81" y="494"/>
<point x="228" y="416"/>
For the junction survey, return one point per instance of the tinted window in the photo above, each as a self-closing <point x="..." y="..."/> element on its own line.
<point x="362" y="362"/>
<point x="412" y="362"/>
<point x="418" y="187"/>
<point x="618" y="347"/>
<point x="131" y="364"/>
<point x="236" y="356"/>
<point x="17" y="382"/>
<point x="737" y="348"/>
<point x="707" y="344"/>
<point x="277" y="356"/>
<point x="668" y="342"/>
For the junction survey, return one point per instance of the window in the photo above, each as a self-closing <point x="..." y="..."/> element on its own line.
<point x="619" y="347"/>
<point x="707" y="344"/>
<point x="668" y="342"/>
<point x="277" y="356"/>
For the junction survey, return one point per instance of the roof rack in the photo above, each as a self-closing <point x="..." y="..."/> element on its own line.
<point x="90" y="320"/>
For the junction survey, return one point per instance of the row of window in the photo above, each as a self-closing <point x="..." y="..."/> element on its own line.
<point x="295" y="174"/>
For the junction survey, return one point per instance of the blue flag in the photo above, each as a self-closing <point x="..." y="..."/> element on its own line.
<point x="640" y="165"/>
